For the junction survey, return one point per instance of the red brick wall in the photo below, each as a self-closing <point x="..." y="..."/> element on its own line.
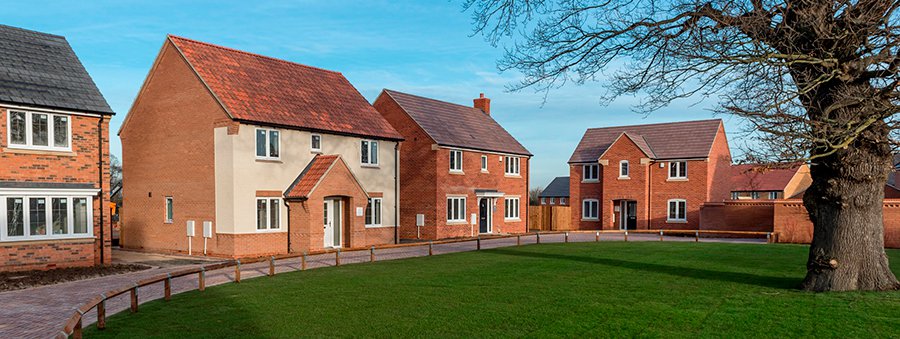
<point x="578" y="191"/>
<point x="417" y="165"/>
<point x="792" y="222"/>
<point x="632" y="188"/>
<point x="173" y="111"/>
<point x="718" y="180"/>
<point x="693" y="190"/>
<point x="78" y="166"/>
<point x="425" y="172"/>
<point x="40" y="255"/>
<point x="756" y="216"/>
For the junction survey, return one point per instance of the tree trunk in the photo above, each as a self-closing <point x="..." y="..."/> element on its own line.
<point x="845" y="204"/>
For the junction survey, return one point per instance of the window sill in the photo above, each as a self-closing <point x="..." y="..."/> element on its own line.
<point x="60" y="153"/>
<point x="369" y="166"/>
<point x="485" y="171"/>
<point x="457" y="172"/>
<point x="590" y="219"/>
<point x="677" y="179"/>
<point x="457" y="222"/>
<point x="672" y="221"/>
<point x="315" y="151"/>
<point x="274" y="230"/>
<point x="624" y="178"/>
<point x="168" y="222"/>
<point x="274" y="161"/>
<point x="513" y="176"/>
<point x="592" y="181"/>
<point x="512" y="219"/>
<point x="379" y="226"/>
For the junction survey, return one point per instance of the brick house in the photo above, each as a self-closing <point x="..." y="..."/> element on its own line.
<point x="653" y="176"/>
<point x="54" y="156"/>
<point x="556" y="193"/>
<point x="755" y="182"/>
<point x="463" y="174"/>
<point x="265" y="155"/>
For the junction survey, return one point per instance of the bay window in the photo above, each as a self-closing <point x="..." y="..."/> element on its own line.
<point x="41" y="131"/>
<point x="45" y="217"/>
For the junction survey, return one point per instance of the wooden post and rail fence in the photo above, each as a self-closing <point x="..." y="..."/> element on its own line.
<point x="73" y="327"/>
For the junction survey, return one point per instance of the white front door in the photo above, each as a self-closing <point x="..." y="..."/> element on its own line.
<point x="332" y="227"/>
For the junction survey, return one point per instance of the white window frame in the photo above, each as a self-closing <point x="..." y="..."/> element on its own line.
<point x="585" y="170"/>
<point x="484" y="163"/>
<point x="596" y="210"/>
<point x="312" y="145"/>
<point x="512" y="166"/>
<point x="371" y="161"/>
<point x="677" y="209"/>
<point x="454" y="215"/>
<point x="543" y="201"/>
<point x="370" y="207"/>
<point x="735" y="195"/>
<point x="48" y="200"/>
<point x="773" y="195"/>
<point x="681" y="167"/>
<point x="754" y="195"/>
<point x="627" y="167"/>
<point x="458" y="156"/>
<point x="270" y="201"/>
<point x="166" y="210"/>
<point x="29" y="144"/>
<point x="268" y="135"/>
<point x="511" y="209"/>
<point x="552" y="199"/>
<point x="562" y="201"/>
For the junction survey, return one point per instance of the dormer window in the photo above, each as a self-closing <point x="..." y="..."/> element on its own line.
<point x="623" y="169"/>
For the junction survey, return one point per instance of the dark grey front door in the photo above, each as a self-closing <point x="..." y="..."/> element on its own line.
<point x="631" y="216"/>
<point x="483" y="216"/>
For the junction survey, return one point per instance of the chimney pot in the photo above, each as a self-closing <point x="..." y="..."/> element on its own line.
<point x="483" y="104"/>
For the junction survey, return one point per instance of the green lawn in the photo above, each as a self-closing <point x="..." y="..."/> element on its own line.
<point x="619" y="289"/>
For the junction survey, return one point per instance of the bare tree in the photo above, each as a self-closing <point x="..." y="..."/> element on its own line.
<point x="534" y="196"/>
<point x="817" y="80"/>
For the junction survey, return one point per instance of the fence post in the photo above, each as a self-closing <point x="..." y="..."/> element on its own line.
<point x="237" y="271"/>
<point x="372" y="254"/>
<point x="167" y="289"/>
<point x="272" y="266"/>
<point x="769" y="237"/>
<point x="101" y="313"/>
<point x="478" y="243"/>
<point x="597" y="237"/>
<point x="660" y="235"/>
<point x="518" y="240"/>
<point x="134" y="299"/>
<point x="696" y="236"/>
<point x="202" y="280"/>
<point x="76" y="332"/>
<point x="626" y="236"/>
<point x="337" y="257"/>
<point x="538" y="237"/>
<point x="303" y="262"/>
<point x="431" y="248"/>
<point x="567" y="237"/>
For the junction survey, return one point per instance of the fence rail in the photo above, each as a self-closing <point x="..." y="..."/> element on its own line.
<point x="73" y="327"/>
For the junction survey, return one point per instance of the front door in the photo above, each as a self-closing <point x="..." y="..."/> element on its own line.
<point x="332" y="229"/>
<point x="484" y="225"/>
<point x="628" y="215"/>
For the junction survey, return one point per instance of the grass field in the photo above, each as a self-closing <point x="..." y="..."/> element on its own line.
<point x="593" y="289"/>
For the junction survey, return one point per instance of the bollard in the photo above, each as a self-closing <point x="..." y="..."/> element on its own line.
<point x="538" y="237"/>
<point x="237" y="271"/>
<point x="303" y="262"/>
<point x="697" y="236"/>
<point x="272" y="266"/>
<point x="478" y="243"/>
<point x="202" y="280"/>
<point x="660" y="235"/>
<point x="372" y="254"/>
<point x="168" y="287"/>
<point x="597" y="237"/>
<point x="626" y="236"/>
<point x="337" y="257"/>
<point x="134" y="299"/>
<point x="769" y="238"/>
<point x="101" y="314"/>
<point x="430" y="248"/>
<point x="518" y="240"/>
<point x="567" y="237"/>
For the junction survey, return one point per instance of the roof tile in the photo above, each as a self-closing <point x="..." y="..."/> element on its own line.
<point x="675" y="140"/>
<point x="311" y="175"/>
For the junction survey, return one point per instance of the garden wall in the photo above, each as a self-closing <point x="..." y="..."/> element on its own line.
<point x="756" y="216"/>
<point x="792" y="223"/>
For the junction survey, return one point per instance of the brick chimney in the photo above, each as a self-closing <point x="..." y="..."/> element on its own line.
<point x="483" y="103"/>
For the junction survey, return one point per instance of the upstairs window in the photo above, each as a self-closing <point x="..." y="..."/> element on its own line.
<point x="678" y="170"/>
<point x="268" y="144"/>
<point x="456" y="161"/>
<point x="316" y="143"/>
<point x="754" y="195"/>
<point x="677" y="210"/>
<point x="773" y="195"/>
<point x="735" y="195"/>
<point x="373" y="212"/>
<point x="41" y="131"/>
<point x="369" y="152"/>
<point x="484" y="161"/>
<point x="562" y="201"/>
<point x="623" y="169"/>
<point x="512" y="165"/>
<point x="591" y="172"/>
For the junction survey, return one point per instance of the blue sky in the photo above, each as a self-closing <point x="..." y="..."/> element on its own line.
<point x="419" y="47"/>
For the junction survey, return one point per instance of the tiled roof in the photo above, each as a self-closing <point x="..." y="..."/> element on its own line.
<point x="897" y="160"/>
<point x="311" y="175"/>
<point x="40" y="69"/>
<point x="559" y="187"/>
<point x="260" y="89"/>
<point x="675" y="140"/>
<point x="750" y="177"/>
<point x="450" y="124"/>
<point x="890" y="192"/>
